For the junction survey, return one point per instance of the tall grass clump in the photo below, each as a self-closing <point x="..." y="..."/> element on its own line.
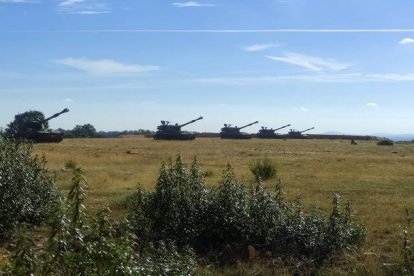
<point x="27" y="192"/>
<point x="263" y="169"/>
<point x="218" y="221"/>
<point x="79" y="244"/>
<point x="408" y="246"/>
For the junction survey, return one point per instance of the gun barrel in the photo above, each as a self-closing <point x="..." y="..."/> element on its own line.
<point x="55" y="115"/>
<point x="249" y="125"/>
<point x="307" y="129"/>
<point x="282" y="127"/>
<point x="192" y="121"/>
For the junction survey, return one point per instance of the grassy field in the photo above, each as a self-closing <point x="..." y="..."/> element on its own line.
<point x="379" y="181"/>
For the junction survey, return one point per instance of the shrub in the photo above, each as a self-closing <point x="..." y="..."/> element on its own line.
<point x="82" y="245"/>
<point x="263" y="169"/>
<point x="176" y="209"/>
<point x="233" y="215"/>
<point x="71" y="164"/>
<point x="385" y="142"/>
<point x="227" y="219"/>
<point x="27" y="192"/>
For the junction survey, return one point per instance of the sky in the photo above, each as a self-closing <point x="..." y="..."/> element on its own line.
<point x="343" y="66"/>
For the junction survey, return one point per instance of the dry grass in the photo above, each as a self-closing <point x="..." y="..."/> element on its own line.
<point x="379" y="181"/>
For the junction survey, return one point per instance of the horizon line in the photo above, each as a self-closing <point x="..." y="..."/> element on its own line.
<point x="215" y="31"/>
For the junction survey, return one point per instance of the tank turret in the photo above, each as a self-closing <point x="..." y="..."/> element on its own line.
<point x="37" y="132"/>
<point x="230" y="132"/>
<point x="269" y="133"/>
<point x="166" y="131"/>
<point x="297" y="134"/>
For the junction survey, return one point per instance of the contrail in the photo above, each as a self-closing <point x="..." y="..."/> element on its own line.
<point x="215" y="31"/>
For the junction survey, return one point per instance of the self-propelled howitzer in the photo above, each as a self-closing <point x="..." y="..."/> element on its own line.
<point x="165" y="131"/>
<point x="294" y="134"/>
<point x="37" y="132"/>
<point x="229" y="132"/>
<point x="269" y="133"/>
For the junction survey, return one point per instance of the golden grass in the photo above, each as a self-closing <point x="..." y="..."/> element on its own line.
<point x="379" y="181"/>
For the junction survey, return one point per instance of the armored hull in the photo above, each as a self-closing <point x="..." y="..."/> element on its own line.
<point x="240" y="135"/>
<point x="159" y="135"/>
<point x="35" y="131"/>
<point x="294" y="134"/>
<point x="45" y="136"/>
<point x="233" y="132"/>
<point x="165" y="131"/>
<point x="269" y="136"/>
<point x="269" y="133"/>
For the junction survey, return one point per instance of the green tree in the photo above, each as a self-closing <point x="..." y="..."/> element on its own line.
<point x="22" y="119"/>
<point x="85" y="131"/>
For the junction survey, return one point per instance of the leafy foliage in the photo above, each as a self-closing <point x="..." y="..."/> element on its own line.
<point x="21" y="119"/>
<point x="84" y="131"/>
<point x="82" y="245"/>
<point x="27" y="192"/>
<point x="233" y="215"/>
<point x="263" y="169"/>
<point x="385" y="142"/>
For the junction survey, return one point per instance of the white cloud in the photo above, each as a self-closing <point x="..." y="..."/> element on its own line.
<point x="259" y="47"/>
<point x="68" y="3"/>
<point x="68" y="100"/>
<point x="83" y="7"/>
<point x="323" y="77"/>
<point x="89" y="12"/>
<point x="406" y="41"/>
<point x="372" y="104"/>
<point x="311" y="63"/>
<point x="304" y="109"/>
<point x="191" y="4"/>
<point x="105" y="66"/>
<point x="390" y="77"/>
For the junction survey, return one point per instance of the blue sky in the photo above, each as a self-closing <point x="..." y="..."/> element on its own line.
<point x="343" y="66"/>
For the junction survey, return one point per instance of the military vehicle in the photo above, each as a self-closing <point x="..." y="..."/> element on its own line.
<point x="269" y="133"/>
<point x="295" y="134"/>
<point x="165" y="131"/>
<point x="35" y="130"/>
<point x="230" y="132"/>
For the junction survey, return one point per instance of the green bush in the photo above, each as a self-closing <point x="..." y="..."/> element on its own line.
<point x="233" y="215"/>
<point x="27" y="192"/>
<point x="263" y="169"/>
<point x="227" y="218"/>
<point x="175" y="209"/>
<point x="82" y="245"/>
<point x="385" y="142"/>
<point x="70" y="164"/>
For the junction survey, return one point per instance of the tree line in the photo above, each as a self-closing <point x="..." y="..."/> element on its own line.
<point x="36" y="119"/>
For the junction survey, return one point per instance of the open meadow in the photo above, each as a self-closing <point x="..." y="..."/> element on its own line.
<point x="378" y="180"/>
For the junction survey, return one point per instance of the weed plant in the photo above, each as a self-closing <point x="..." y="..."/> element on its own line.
<point x="82" y="245"/>
<point x="27" y="192"/>
<point x="408" y="246"/>
<point x="233" y="215"/>
<point x="70" y="164"/>
<point x="263" y="169"/>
